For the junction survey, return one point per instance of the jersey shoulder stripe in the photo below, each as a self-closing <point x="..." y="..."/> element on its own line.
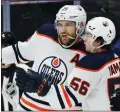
<point x="19" y="57"/>
<point x="16" y="53"/>
<point x="96" y="61"/>
<point x="49" y="31"/>
<point x="46" y="36"/>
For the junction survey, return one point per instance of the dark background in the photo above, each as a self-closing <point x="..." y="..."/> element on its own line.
<point x="25" y="19"/>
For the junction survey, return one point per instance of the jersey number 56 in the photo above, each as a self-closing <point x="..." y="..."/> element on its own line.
<point x="80" y="85"/>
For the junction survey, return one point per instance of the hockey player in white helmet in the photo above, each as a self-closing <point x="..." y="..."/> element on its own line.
<point x="67" y="16"/>
<point x="102" y="31"/>
<point x="94" y="78"/>
<point x="54" y="51"/>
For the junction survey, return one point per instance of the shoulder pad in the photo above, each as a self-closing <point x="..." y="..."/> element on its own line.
<point x="96" y="60"/>
<point x="49" y="30"/>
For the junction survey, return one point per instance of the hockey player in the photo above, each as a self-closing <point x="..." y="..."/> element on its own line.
<point x="10" y="91"/>
<point x="54" y="51"/>
<point x="92" y="81"/>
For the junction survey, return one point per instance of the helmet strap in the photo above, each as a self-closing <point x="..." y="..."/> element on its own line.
<point x="95" y="48"/>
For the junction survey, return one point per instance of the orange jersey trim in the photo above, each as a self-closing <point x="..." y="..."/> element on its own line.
<point x="33" y="105"/>
<point x="20" y="62"/>
<point x="79" y="51"/>
<point x="66" y="96"/>
<point x="86" y="69"/>
<point x="46" y="36"/>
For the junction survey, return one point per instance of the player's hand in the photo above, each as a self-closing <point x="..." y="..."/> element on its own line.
<point x="30" y="81"/>
<point x="37" y="83"/>
<point x="115" y="100"/>
<point x="7" y="69"/>
<point x="21" y="77"/>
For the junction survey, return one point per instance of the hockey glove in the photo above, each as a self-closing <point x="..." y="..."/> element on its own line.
<point x="21" y="77"/>
<point x="37" y="83"/>
<point x="115" y="100"/>
<point x="31" y="81"/>
<point x="8" y="71"/>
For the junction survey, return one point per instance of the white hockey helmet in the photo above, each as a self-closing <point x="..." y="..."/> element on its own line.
<point x="74" y="13"/>
<point x="101" y="27"/>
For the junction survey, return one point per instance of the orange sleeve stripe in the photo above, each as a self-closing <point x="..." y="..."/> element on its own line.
<point x="20" y="62"/>
<point x="46" y="36"/>
<point x="66" y="96"/>
<point x="82" y="52"/>
<point x="86" y="69"/>
<point x="33" y="105"/>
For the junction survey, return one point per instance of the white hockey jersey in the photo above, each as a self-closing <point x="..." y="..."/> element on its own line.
<point x="92" y="82"/>
<point x="49" y="57"/>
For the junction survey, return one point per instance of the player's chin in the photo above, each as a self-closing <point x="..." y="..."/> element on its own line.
<point x="87" y="49"/>
<point x="65" y="42"/>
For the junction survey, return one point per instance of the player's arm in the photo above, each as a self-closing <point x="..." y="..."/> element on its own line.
<point x="23" y="52"/>
<point x="19" y="52"/>
<point x="7" y="39"/>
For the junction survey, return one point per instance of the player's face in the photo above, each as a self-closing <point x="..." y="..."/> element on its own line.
<point x="87" y="38"/>
<point x="66" y="29"/>
<point x="90" y="44"/>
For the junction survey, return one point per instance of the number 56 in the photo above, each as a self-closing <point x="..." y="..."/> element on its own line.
<point x="78" y="85"/>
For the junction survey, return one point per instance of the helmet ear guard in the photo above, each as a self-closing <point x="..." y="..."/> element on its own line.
<point x="73" y="13"/>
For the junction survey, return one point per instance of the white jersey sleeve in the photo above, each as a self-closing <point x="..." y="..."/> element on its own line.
<point x="59" y="97"/>
<point x="21" y="52"/>
<point x="8" y="55"/>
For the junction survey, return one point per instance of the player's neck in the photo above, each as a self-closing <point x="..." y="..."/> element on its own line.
<point x="78" y="40"/>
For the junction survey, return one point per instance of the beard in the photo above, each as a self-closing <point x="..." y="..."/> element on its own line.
<point x="65" y="40"/>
